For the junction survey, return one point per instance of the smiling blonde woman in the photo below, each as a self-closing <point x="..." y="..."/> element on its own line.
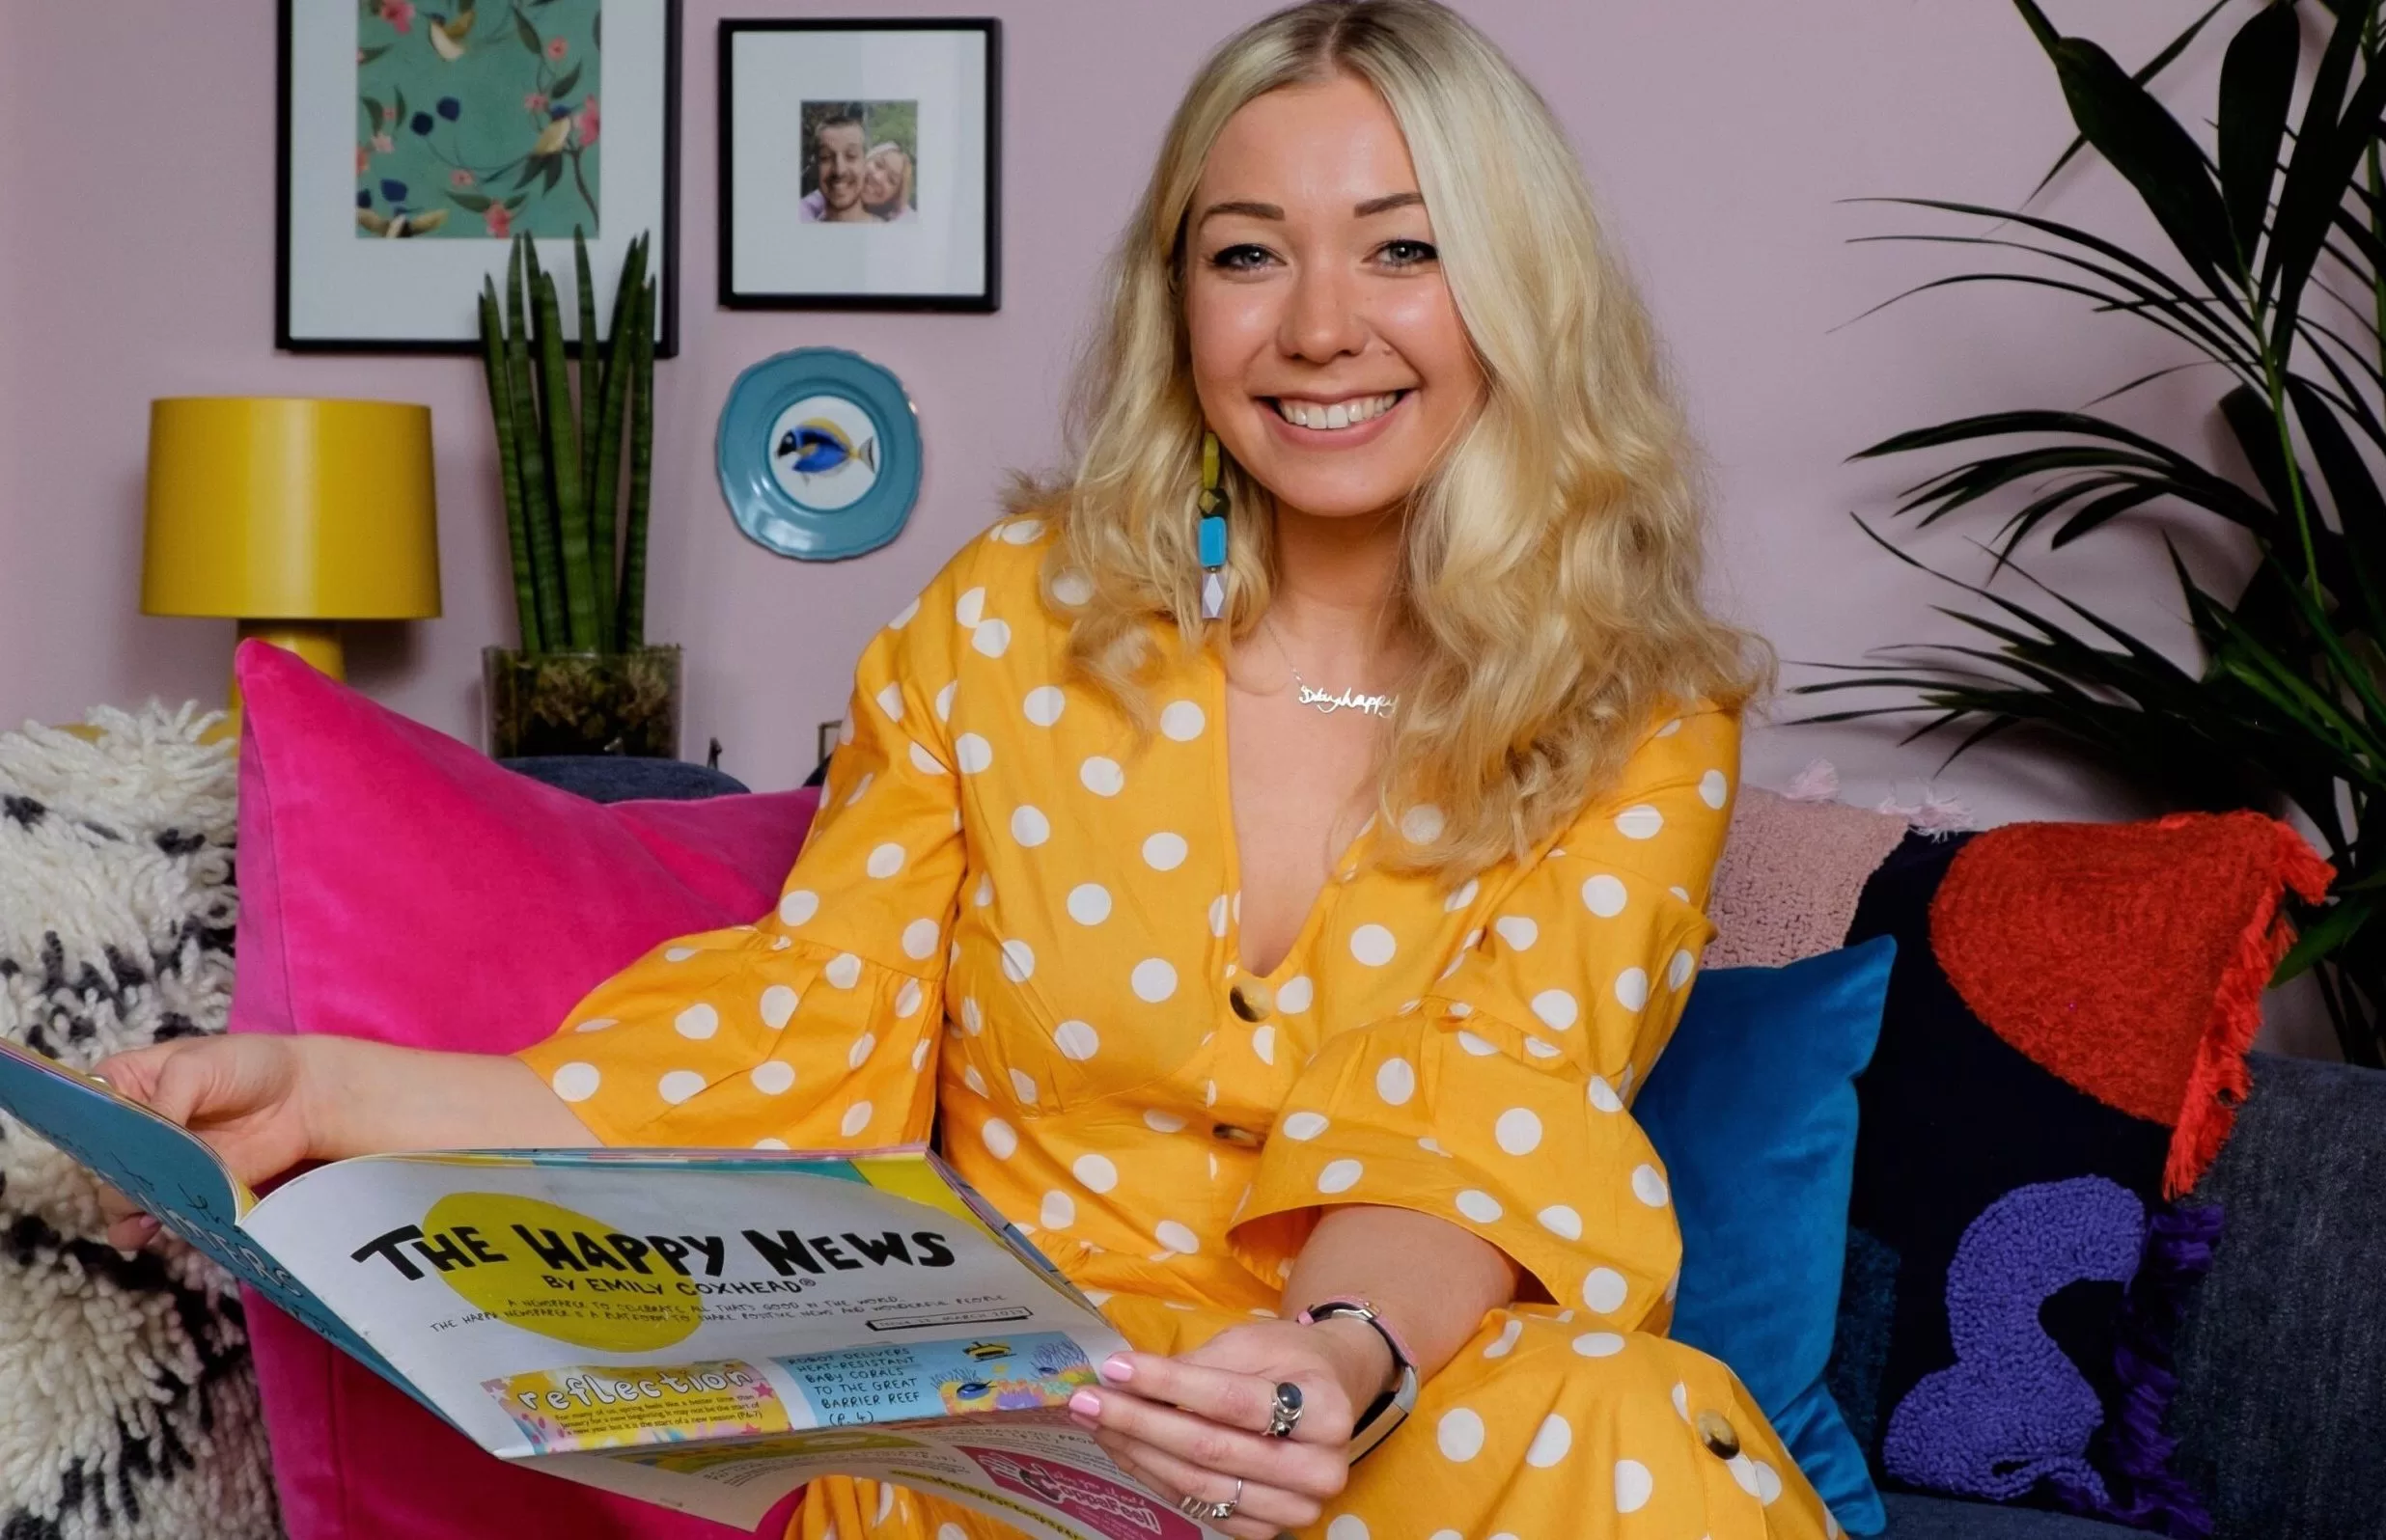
<point x="1287" y="974"/>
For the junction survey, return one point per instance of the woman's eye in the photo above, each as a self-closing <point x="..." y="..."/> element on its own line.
<point x="1409" y="252"/>
<point x="1240" y="259"/>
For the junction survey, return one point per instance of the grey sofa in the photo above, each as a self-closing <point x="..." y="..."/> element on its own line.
<point x="2281" y="1410"/>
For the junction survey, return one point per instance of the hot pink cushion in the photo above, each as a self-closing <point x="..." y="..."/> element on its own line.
<point x="398" y="886"/>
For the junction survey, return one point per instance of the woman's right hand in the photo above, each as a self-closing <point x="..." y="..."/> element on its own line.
<point x="244" y="1095"/>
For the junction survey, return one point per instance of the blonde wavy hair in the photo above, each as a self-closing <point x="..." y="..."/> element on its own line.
<point x="1553" y="556"/>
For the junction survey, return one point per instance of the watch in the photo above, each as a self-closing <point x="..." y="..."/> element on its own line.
<point x="1389" y="1409"/>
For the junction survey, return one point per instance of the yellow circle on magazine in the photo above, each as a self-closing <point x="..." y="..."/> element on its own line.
<point x="545" y="1269"/>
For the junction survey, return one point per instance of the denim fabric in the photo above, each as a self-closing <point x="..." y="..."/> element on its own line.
<point x="1916" y="1517"/>
<point x="615" y="778"/>
<point x="2282" y="1361"/>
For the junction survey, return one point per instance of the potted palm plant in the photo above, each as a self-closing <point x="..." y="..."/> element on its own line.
<point x="2276" y="278"/>
<point x="584" y="680"/>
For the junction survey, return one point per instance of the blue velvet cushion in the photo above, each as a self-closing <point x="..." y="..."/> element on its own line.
<point x="1753" y="1108"/>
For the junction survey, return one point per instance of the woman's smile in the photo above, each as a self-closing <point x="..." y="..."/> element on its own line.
<point x="1335" y="422"/>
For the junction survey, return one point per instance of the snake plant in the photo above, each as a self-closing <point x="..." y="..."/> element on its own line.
<point x="2276" y="279"/>
<point x="575" y="524"/>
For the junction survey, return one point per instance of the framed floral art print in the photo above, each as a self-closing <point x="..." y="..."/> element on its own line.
<point x="419" y="136"/>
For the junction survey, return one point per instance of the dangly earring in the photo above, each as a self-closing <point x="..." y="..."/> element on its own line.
<point x="1212" y="505"/>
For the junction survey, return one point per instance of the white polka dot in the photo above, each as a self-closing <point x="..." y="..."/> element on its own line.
<point x="972" y="753"/>
<point x="1372" y="944"/>
<point x="1459" y="1434"/>
<point x="1603" y="895"/>
<point x="1462" y="898"/>
<point x="863" y="1047"/>
<point x="1768" y="1484"/>
<point x="1603" y="1289"/>
<point x="1164" y="851"/>
<point x="1160" y="1122"/>
<point x="1058" y="1211"/>
<point x="1303" y="1126"/>
<point x="1517" y="930"/>
<point x="1540" y="1049"/>
<point x="993" y="638"/>
<point x="925" y="762"/>
<point x="1550" y="1444"/>
<point x="677" y="953"/>
<point x="1217" y="916"/>
<point x="1479" y="1207"/>
<point x="1649" y="1186"/>
<point x="1177" y="1237"/>
<point x="973" y="1019"/>
<point x="798" y="906"/>
<point x="1599" y="1344"/>
<point x="1518" y="1131"/>
<point x="1503" y="1344"/>
<point x="1669" y="729"/>
<point x="1018" y="961"/>
<point x="1099" y="1173"/>
<point x="860" y="787"/>
<point x="1154" y="980"/>
<point x="1022" y="532"/>
<point x="1264" y="1044"/>
<point x="903" y="617"/>
<point x="1462" y="1009"/>
<point x="885" y="861"/>
<point x="1681" y="1400"/>
<point x="597" y="1024"/>
<point x="575" y="1082"/>
<point x="1088" y="903"/>
<point x="1633" y="1485"/>
<point x="679" y="1085"/>
<point x="699" y="1022"/>
<point x="1347" y="1527"/>
<point x="973" y="1080"/>
<point x="1396" y="1082"/>
<point x="1002" y="1141"/>
<point x="1561" y="1221"/>
<point x="920" y="939"/>
<point x="770" y="1143"/>
<point x="1102" y="775"/>
<point x="1744" y="1471"/>
<point x="1023" y="1087"/>
<point x="944" y="700"/>
<point x="856" y="1118"/>
<point x="1030" y="827"/>
<point x="845" y="970"/>
<point x="1604" y="1095"/>
<point x="891" y="702"/>
<point x="1044" y="705"/>
<point x="1556" y="1008"/>
<point x="1677" y="971"/>
<point x="1076" y="1040"/>
<point x="1295" y="995"/>
<point x="1340" y="1176"/>
<point x="970" y="608"/>
<point x="1639" y="822"/>
<point x="1714" y="789"/>
<point x="773" y="1077"/>
<point x="1682" y="893"/>
<point x="1422" y="825"/>
<point x="1182" y="721"/>
<point x="985" y="890"/>
<point x="919" y="1053"/>
<point x="1432" y="1145"/>
<point x="1072" y="587"/>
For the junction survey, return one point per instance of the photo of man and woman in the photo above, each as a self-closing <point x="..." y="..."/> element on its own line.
<point x="858" y="162"/>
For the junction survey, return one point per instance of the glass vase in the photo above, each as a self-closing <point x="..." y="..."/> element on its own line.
<point x="583" y="702"/>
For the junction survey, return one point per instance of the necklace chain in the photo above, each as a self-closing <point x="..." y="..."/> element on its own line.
<point x="1329" y="701"/>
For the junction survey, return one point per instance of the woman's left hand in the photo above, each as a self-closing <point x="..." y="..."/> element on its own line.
<point x="1196" y="1424"/>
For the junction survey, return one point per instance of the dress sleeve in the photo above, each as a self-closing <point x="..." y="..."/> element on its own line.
<point x="816" y="1026"/>
<point x="1498" y="1101"/>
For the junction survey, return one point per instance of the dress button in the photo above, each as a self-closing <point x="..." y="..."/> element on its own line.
<point x="1229" y="1134"/>
<point x="1716" y="1432"/>
<point x="1251" y="999"/>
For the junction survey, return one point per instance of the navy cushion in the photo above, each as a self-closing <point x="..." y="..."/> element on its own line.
<point x="1916" y="1517"/>
<point x="617" y="777"/>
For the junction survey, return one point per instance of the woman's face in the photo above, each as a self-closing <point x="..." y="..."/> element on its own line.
<point x="880" y="183"/>
<point x="1327" y="351"/>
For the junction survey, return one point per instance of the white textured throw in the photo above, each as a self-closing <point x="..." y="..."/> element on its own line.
<point x="127" y="1405"/>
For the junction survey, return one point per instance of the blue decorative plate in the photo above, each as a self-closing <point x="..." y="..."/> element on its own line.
<point x="820" y="454"/>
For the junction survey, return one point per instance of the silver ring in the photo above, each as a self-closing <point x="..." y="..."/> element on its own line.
<point x="1193" y="1507"/>
<point x="1285" y="1413"/>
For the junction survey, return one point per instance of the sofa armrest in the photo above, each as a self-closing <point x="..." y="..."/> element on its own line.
<point x="616" y="778"/>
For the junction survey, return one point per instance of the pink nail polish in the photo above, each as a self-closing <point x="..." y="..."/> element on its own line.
<point x="1085" y="1403"/>
<point x="1116" y="1367"/>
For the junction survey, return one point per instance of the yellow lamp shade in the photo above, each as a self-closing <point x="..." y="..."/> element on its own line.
<point x="262" y="509"/>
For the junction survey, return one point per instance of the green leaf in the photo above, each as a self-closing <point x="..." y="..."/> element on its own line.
<point x="2129" y="129"/>
<point x="2257" y="79"/>
<point x="2334" y="929"/>
<point x="2144" y="77"/>
<point x="470" y="202"/>
<point x="528" y="34"/>
<point x="368" y="55"/>
<point x="401" y="108"/>
<point x="373" y="115"/>
<point x="563" y="88"/>
<point x="554" y="169"/>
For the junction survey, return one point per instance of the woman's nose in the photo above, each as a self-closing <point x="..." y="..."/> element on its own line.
<point x="1321" y="318"/>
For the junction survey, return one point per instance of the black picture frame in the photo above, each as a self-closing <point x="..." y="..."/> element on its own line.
<point x="667" y="339"/>
<point x="730" y="297"/>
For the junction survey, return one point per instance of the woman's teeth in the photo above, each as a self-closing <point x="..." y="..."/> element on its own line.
<point x="1339" y="415"/>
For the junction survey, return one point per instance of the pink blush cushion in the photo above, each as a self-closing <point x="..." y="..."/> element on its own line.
<point x="397" y="885"/>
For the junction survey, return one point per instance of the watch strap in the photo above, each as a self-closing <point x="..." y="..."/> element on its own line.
<point x="1389" y="1409"/>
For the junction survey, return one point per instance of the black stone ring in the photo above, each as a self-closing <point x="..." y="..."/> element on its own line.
<point x="1285" y="1412"/>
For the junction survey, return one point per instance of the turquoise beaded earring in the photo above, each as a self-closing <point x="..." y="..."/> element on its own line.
<point x="1212" y="505"/>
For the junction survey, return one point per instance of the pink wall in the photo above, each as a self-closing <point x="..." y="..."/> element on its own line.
<point x="137" y="242"/>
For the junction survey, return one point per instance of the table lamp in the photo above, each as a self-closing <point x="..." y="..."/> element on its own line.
<point x="291" y="517"/>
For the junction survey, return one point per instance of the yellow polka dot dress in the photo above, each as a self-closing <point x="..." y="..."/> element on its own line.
<point x="1015" y="920"/>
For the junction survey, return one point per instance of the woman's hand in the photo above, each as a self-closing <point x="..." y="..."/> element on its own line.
<point x="243" y="1095"/>
<point x="1192" y="1425"/>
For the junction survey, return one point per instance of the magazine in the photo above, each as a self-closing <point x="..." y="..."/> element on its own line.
<point x="701" y="1330"/>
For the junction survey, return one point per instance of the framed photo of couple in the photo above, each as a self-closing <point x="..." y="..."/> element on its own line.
<point x="859" y="163"/>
